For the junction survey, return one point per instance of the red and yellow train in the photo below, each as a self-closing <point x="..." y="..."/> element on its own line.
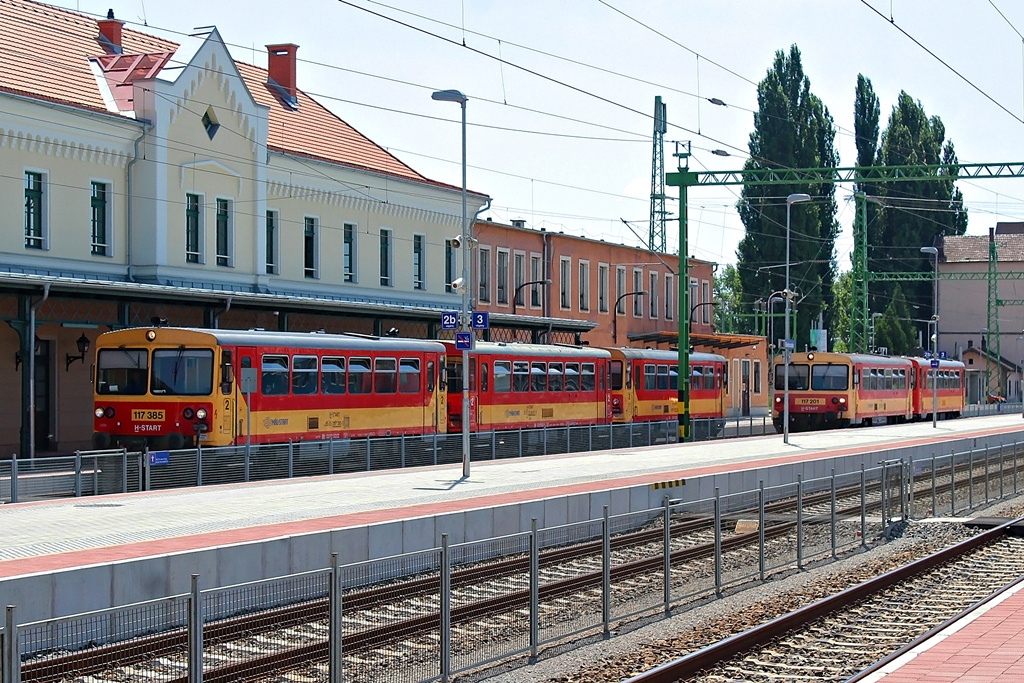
<point x="839" y="390"/>
<point x="171" y="388"/>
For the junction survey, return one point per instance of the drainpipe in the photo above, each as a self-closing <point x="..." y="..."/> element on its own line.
<point x="32" y="371"/>
<point x="216" y="316"/>
<point x="128" y="219"/>
<point x="547" y="276"/>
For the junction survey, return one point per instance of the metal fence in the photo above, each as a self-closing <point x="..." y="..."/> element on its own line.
<point x="428" y="615"/>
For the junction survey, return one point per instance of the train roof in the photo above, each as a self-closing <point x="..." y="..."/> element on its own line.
<point x="261" y="338"/>
<point x="665" y="354"/>
<point x="833" y="357"/>
<point x="523" y="349"/>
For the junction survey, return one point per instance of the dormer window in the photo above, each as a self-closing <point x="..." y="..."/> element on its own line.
<point x="210" y="122"/>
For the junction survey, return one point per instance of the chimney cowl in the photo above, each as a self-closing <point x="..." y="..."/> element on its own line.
<point x="281" y="69"/>
<point x="110" y="31"/>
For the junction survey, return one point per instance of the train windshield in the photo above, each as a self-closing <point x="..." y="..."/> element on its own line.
<point x="122" y="371"/>
<point x="797" y="377"/>
<point x="830" y="378"/>
<point x="182" y="372"/>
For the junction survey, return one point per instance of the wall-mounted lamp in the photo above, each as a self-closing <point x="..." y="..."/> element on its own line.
<point x="83" y="346"/>
<point x="37" y="349"/>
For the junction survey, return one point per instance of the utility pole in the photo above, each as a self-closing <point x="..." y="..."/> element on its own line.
<point x="656" y="241"/>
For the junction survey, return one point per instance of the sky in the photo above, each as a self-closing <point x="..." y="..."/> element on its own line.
<point x="561" y="93"/>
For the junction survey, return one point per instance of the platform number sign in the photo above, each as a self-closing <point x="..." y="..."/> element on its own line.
<point x="481" y="320"/>
<point x="449" y="320"/>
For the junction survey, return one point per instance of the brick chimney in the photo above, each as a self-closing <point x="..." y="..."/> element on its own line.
<point x="281" y="66"/>
<point x="110" y="28"/>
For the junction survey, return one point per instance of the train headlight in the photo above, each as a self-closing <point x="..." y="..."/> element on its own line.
<point x="150" y="335"/>
<point x="842" y="400"/>
<point x="615" y="401"/>
<point x="778" y="399"/>
<point x="98" y="412"/>
<point x="810" y="356"/>
<point x="201" y="413"/>
<point x="108" y="412"/>
<point x="188" y="413"/>
<point x="835" y="400"/>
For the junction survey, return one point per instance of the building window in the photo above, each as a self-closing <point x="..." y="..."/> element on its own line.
<point x="224" y="236"/>
<point x="501" y="276"/>
<point x="449" y="266"/>
<point x="638" y="286"/>
<point x="602" y="287"/>
<point x="705" y="297"/>
<point x="518" y="277"/>
<point x="348" y="257"/>
<point x="419" y="245"/>
<point x="670" y="297"/>
<point x="386" y="242"/>
<point x="99" y="218"/>
<point x="653" y="294"/>
<point x="485" y="274"/>
<point x="535" y="275"/>
<point x="35" y="229"/>
<point x="273" y="239"/>
<point x="693" y="300"/>
<point x="193" y="229"/>
<point x="620" y="290"/>
<point x="757" y="377"/>
<point x="311" y="248"/>
<point x="584" y="285"/>
<point x="564" y="281"/>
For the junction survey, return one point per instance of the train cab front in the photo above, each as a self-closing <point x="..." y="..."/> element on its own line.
<point x="818" y="410"/>
<point x="160" y="398"/>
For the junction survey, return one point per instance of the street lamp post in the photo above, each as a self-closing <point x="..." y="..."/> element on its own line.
<point x="689" y="321"/>
<point x="456" y="96"/>
<point x="615" y="313"/>
<point x="934" y="336"/>
<point x="515" y="297"/>
<point x="790" y="201"/>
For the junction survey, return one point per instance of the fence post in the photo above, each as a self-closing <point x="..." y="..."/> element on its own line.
<point x="330" y="455"/>
<point x="970" y="479"/>
<point x="367" y="454"/>
<point x="435" y="448"/>
<point x="494" y="444"/>
<point x="606" y="574"/>
<point x="1002" y="475"/>
<point x="520" y="442"/>
<point x="195" y="633"/>
<point x="401" y="448"/>
<point x="336" y="665"/>
<point x="534" y="591"/>
<point x="247" y="457"/>
<point x="952" y="483"/>
<point x="718" y="542"/>
<point x="760" y="529"/>
<point x="1015" y="466"/>
<point x="199" y="464"/>
<point x="78" y="474"/>
<point x="667" y="557"/>
<point x="14" y="478"/>
<point x="910" y="490"/>
<point x="144" y="468"/>
<point x="291" y="458"/>
<point x="987" y="465"/>
<point x="933" y="513"/>
<point x="800" y="522"/>
<point x="12" y="658"/>
<point x="863" y="508"/>
<point x="446" y="611"/>
<point x="834" y="521"/>
<point x="124" y="470"/>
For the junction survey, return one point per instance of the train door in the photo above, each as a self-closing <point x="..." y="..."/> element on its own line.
<point x="225" y="405"/>
<point x="435" y="397"/>
<point x="247" y="428"/>
<point x="745" y="391"/>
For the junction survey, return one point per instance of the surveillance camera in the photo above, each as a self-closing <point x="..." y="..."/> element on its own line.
<point x="456" y="242"/>
<point x="458" y="285"/>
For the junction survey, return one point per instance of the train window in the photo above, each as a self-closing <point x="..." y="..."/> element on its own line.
<point x="709" y="377"/>
<point x="673" y="378"/>
<point x="384" y="375"/>
<point x="829" y="377"/>
<point x="587" y="382"/>
<point x="696" y="376"/>
<point x="484" y="378"/>
<point x="430" y="376"/>
<point x="600" y="380"/>
<point x="453" y="381"/>
<point x="409" y="375"/>
<point x="538" y="377"/>
<point x="472" y="373"/>
<point x="636" y="376"/>
<point x="798" y="377"/>
<point x="227" y="372"/>
<point x="274" y="376"/>
<point x="359" y="376"/>
<point x="520" y="376"/>
<point x="663" y="377"/>
<point x="182" y="372"/>
<point x="332" y="375"/>
<point x="555" y="380"/>
<point x="650" y="377"/>
<point x="502" y="376"/>
<point x="888" y="379"/>
<point x="122" y="371"/>
<point x="304" y="375"/>
<point x="572" y="376"/>
<point x="615" y="375"/>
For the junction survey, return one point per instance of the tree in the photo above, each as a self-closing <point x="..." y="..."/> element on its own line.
<point x="892" y="330"/>
<point x="840" y="307"/>
<point x="727" y="293"/>
<point x="792" y="129"/>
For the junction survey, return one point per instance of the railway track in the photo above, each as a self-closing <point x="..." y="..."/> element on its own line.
<point x="398" y="622"/>
<point x="839" y="637"/>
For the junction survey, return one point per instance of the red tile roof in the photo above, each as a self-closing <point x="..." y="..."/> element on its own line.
<point x="45" y="52"/>
<point x="974" y="248"/>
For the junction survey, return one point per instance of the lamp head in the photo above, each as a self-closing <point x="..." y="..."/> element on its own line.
<point x="798" y="197"/>
<point x="449" y="96"/>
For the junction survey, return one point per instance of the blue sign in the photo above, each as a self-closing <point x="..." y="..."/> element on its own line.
<point x="464" y="341"/>
<point x="942" y="355"/>
<point x="790" y="344"/>
<point x="927" y="355"/>
<point x="480" y="320"/>
<point x="159" y="457"/>
<point x="935" y="362"/>
<point x="450" y="320"/>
